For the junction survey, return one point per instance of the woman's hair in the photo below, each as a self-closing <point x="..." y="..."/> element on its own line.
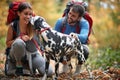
<point x="78" y="9"/>
<point x="22" y="6"/>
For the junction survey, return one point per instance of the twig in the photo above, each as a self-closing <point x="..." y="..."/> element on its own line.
<point x="89" y="72"/>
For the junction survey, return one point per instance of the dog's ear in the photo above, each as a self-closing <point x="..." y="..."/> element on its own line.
<point x="33" y="19"/>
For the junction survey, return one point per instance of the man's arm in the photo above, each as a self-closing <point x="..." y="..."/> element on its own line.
<point x="83" y="36"/>
<point x="58" y="25"/>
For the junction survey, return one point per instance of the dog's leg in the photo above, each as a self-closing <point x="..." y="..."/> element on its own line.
<point x="46" y="67"/>
<point x="69" y="61"/>
<point x="56" y="71"/>
<point x="71" y="67"/>
<point x="81" y="60"/>
<point x="81" y="57"/>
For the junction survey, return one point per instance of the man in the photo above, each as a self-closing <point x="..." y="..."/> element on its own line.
<point x="71" y="22"/>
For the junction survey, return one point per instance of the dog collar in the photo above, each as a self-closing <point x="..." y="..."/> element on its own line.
<point x="43" y="30"/>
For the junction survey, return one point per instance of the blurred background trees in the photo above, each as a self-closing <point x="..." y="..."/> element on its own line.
<point x="105" y="14"/>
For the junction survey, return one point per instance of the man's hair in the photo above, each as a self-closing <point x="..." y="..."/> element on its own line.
<point x="78" y="9"/>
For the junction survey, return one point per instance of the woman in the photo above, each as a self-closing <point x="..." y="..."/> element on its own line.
<point x="24" y="43"/>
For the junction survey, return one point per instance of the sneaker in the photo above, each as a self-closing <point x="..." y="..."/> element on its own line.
<point x="19" y="71"/>
<point x="78" y="69"/>
<point x="65" y="68"/>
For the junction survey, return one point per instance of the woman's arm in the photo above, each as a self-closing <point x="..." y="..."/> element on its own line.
<point x="9" y="38"/>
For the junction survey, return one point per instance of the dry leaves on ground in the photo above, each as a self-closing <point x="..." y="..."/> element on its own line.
<point x="110" y="73"/>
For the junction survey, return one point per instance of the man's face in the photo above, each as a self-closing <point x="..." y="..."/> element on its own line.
<point x="73" y="17"/>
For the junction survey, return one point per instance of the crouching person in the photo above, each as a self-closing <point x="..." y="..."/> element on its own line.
<point x="22" y="42"/>
<point x="73" y="19"/>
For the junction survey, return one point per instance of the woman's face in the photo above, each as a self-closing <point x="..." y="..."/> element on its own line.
<point x="25" y="15"/>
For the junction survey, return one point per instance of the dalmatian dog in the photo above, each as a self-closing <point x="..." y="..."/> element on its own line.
<point x="56" y="44"/>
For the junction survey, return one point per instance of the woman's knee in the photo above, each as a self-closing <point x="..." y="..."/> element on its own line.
<point x="18" y="43"/>
<point x="19" y="46"/>
<point x="18" y="49"/>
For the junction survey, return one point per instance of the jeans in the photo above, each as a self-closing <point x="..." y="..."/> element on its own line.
<point x="18" y="52"/>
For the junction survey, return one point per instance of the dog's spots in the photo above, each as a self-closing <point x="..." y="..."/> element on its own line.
<point x="57" y="44"/>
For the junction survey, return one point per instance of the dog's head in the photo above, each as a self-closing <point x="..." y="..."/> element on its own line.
<point x="38" y="22"/>
<point x="33" y="19"/>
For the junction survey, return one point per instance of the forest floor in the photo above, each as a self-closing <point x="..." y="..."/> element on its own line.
<point x="110" y="73"/>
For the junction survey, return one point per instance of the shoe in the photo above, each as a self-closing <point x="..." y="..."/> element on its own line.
<point x="19" y="71"/>
<point x="65" y="68"/>
<point x="78" y="69"/>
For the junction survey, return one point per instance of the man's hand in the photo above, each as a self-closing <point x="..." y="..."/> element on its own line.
<point x="74" y="35"/>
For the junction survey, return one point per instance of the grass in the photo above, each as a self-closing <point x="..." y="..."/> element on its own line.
<point x="2" y="43"/>
<point x="104" y="58"/>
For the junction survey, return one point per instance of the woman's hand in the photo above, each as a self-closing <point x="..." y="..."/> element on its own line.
<point x="25" y="37"/>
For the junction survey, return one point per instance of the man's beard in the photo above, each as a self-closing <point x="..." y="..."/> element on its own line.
<point x="72" y="21"/>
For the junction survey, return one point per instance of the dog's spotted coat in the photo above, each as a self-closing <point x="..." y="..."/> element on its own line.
<point x="55" y="43"/>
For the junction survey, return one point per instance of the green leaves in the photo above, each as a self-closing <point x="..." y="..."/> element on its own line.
<point x="104" y="58"/>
